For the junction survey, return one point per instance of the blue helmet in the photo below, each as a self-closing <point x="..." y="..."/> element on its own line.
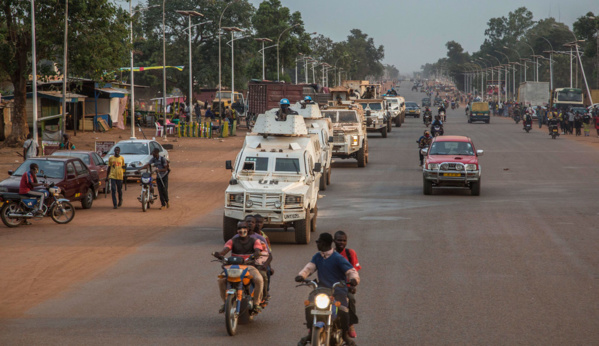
<point x="285" y="102"/>
<point x="307" y="98"/>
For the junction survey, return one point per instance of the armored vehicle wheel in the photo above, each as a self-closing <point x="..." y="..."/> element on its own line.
<point x="313" y="220"/>
<point x="398" y="121"/>
<point x="384" y="132"/>
<point x="427" y="187"/>
<point x="329" y="176"/>
<point x="229" y="227"/>
<point x="302" y="229"/>
<point x="323" y="180"/>
<point x="389" y="125"/>
<point x="366" y="150"/>
<point x="361" y="157"/>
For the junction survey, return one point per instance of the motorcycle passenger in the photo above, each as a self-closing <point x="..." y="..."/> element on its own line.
<point x="243" y="246"/>
<point x="28" y="183"/>
<point x="527" y="120"/>
<point x="438" y="122"/>
<point x="284" y="110"/>
<point x="442" y="109"/>
<point x="332" y="267"/>
<point x="352" y="257"/>
<point x="427" y="113"/>
<point x="553" y="121"/>
<point x="424" y="142"/>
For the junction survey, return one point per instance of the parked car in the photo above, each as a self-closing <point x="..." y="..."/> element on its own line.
<point x="451" y="161"/>
<point x="76" y="181"/>
<point x="92" y="160"/>
<point x="137" y="153"/>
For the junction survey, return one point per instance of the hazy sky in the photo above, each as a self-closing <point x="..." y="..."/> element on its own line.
<point x="415" y="32"/>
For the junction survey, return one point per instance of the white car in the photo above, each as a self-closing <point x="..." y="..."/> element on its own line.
<point x="137" y="153"/>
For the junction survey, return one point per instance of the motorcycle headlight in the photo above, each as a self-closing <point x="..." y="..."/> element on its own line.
<point x="433" y="166"/>
<point x="322" y="301"/>
<point x="471" y="167"/>
<point x="234" y="272"/>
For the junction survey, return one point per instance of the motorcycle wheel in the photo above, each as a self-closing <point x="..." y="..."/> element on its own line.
<point x="144" y="202"/>
<point x="319" y="336"/>
<point x="10" y="208"/>
<point x="230" y="315"/>
<point x="62" y="213"/>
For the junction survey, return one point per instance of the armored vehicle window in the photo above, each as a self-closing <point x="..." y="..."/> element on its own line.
<point x="260" y="163"/>
<point x="331" y="115"/>
<point x="347" y="117"/>
<point x="287" y="165"/>
<point x="372" y="106"/>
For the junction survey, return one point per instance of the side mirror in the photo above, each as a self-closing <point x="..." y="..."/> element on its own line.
<point x="480" y="152"/>
<point x="70" y="176"/>
<point x="10" y="172"/>
<point x="317" y="167"/>
<point x="331" y="139"/>
<point x="424" y="151"/>
<point x="228" y="164"/>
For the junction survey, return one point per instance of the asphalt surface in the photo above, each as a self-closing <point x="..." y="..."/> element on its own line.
<point x="516" y="265"/>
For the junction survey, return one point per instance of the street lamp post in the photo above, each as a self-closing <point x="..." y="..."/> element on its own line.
<point x="232" y="30"/>
<point x="498" y="77"/>
<point x="164" y="67"/>
<point x="550" y="61"/>
<point x="278" y="44"/>
<point x="34" y="70"/>
<point x="506" y="74"/>
<point x="301" y="57"/>
<point x="514" y="73"/>
<point x="189" y="14"/>
<point x="220" y="104"/>
<point x="581" y="66"/>
<point x="488" y="68"/>
<point x="262" y="50"/>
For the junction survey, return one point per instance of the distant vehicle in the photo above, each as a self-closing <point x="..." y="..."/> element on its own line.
<point x="426" y="102"/>
<point x="451" y="161"/>
<point x="567" y="97"/>
<point x="534" y="93"/>
<point x="238" y="102"/>
<point x="377" y="116"/>
<point x="91" y="159"/>
<point x="137" y="153"/>
<point x="349" y="133"/>
<point x="70" y="174"/>
<point x="412" y="109"/>
<point x="438" y="101"/>
<point x="479" y="112"/>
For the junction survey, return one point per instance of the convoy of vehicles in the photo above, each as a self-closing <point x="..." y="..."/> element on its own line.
<point x="349" y="133"/>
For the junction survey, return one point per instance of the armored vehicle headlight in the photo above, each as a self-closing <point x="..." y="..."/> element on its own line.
<point x="289" y="199"/>
<point x="238" y="198"/>
<point x="354" y="140"/>
<point x="277" y="204"/>
<point x="249" y="203"/>
<point x="322" y="301"/>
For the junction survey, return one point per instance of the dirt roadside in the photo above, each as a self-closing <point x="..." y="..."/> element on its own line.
<point x="44" y="259"/>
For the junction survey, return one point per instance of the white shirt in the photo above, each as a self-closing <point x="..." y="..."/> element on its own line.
<point x="31" y="147"/>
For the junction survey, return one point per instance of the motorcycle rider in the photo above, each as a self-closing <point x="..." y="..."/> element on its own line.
<point x="438" y="121"/>
<point x="527" y="120"/>
<point x="553" y="121"/>
<point x="244" y="246"/>
<point x="424" y="142"/>
<point x="427" y="113"/>
<point x="284" y="110"/>
<point x="332" y="267"/>
<point x="442" y="109"/>
<point x="28" y="183"/>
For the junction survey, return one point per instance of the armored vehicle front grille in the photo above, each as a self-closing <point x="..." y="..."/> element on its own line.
<point x="264" y="200"/>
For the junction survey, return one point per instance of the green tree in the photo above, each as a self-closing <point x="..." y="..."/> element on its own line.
<point x="587" y="28"/>
<point x="97" y="43"/>
<point x="369" y="56"/>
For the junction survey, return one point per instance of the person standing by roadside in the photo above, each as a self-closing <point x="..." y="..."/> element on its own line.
<point x="577" y="123"/>
<point x="30" y="147"/>
<point x="586" y="123"/>
<point x="198" y="112"/>
<point x="162" y="172"/>
<point x="116" y="168"/>
<point x="66" y="143"/>
<point x="571" y="116"/>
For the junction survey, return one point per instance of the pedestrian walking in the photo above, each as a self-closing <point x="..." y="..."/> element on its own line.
<point x="116" y="170"/>
<point x="571" y="116"/>
<point x="586" y="124"/>
<point x="30" y="147"/>
<point x="578" y="123"/>
<point x="540" y="116"/>
<point x="198" y="111"/>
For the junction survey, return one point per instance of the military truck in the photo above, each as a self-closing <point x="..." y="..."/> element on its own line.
<point x="349" y="132"/>
<point x="276" y="174"/>
<point x="322" y="128"/>
<point x="377" y="116"/>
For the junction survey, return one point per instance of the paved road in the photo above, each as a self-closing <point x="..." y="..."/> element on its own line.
<point x="517" y="265"/>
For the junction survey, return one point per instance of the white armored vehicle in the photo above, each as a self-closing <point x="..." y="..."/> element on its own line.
<point x="276" y="174"/>
<point x="377" y="116"/>
<point x="349" y="132"/>
<point x="397" y="109"/>
<point x="321" y="127"/>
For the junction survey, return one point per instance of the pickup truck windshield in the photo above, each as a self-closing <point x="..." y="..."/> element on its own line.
<point x="372" y="106"/>
<point x="451" y="148"/>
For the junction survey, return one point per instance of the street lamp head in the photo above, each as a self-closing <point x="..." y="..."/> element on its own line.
<point x="190" y="13"/>
<point x="263" y="39"/>
<point x="232" y="29"/>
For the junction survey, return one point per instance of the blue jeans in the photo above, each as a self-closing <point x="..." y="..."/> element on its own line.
<point x="116" y="186"/>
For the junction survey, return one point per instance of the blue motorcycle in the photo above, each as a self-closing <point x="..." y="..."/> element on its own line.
<point x="17" y="209"/>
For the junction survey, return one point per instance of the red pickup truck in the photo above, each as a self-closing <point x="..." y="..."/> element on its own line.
<point x="450" y="162"/>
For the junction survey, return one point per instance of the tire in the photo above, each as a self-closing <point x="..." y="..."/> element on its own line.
<point x="63" y="214"/>
<point x="144" y="202"/>
<point x="302" y="229"/>
<point x="323" y="181"/>
<point x="313" y="219"/>
<point x="88" y="199"/>
<point x="367" y="152"/>
<point x="389" y="125"/>
<point x="11" y="207"/>
<point x="329" y="176"/>
<point x="318" y="336"/>
<point x="398" y="121"/>
<point x="475" y="188"/>
<point x="427" y="187"/>
<point x="230" y="317"/>
<point x="229" y="227"/>
<point x="361" y="157"/>
<point x="384" y="132"/>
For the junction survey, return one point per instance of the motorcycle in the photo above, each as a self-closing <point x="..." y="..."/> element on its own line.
<point x="147" y="195"/>
<point x="326" y="329"/>
<point x="517" y="118"/>
<point x="437" y="130"/>
<point x="17" y="209"/>
<point x="553" y="131"/>
<point x="453" y="106"/>
<point x="527" y="127"/>
<point x="428" y="118"/>
<point x="239" y="298"/>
